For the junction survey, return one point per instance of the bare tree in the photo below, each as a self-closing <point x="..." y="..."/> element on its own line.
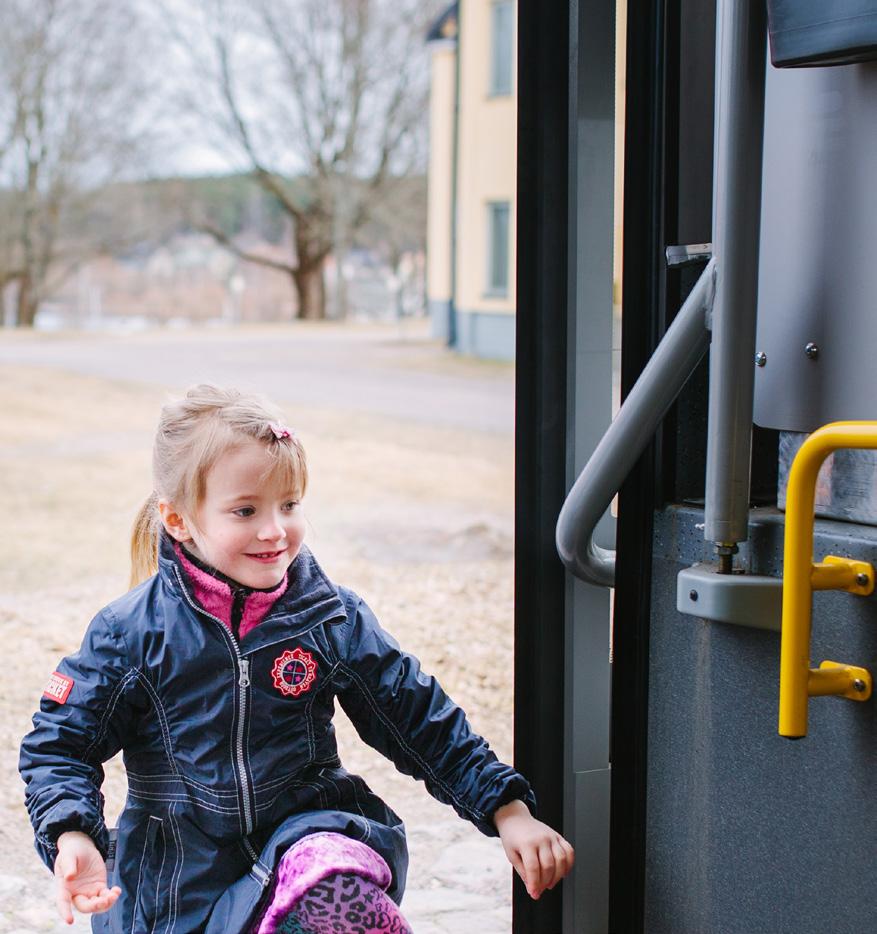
<point x="322" y="101"/>
<point x="71" y="88"/>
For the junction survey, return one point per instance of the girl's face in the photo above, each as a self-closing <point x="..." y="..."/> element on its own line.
<point x="249" y="526"/>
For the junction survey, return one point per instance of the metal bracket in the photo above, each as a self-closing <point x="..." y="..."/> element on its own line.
<point x="688" y="254"/>
<point x="852" y="682"/>
<point x="834" y="573"/>
<point x="751" y="600"/>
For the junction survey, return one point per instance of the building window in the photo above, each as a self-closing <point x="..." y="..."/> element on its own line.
<point x="502" y="58"/>
<point x="498" y="248"/>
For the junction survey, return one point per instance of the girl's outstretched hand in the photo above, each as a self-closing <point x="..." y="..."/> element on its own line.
<point x="540" y="855"/>
<point x="81" y="877"/>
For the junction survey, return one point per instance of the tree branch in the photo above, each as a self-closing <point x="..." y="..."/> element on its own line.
<point x="265" y="177"/>
<point x="222" y="238"/>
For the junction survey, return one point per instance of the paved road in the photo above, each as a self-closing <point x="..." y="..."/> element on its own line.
<point x="381" y="370"/>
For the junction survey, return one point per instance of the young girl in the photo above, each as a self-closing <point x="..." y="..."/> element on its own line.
<point x="216" y="675"/>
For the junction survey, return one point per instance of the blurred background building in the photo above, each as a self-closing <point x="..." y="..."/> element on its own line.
<point x="472" y="172"/>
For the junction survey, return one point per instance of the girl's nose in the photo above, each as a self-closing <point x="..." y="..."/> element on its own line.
<point x="271" y="530"/>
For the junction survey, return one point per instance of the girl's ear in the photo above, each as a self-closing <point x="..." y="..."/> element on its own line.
<point x="173" y="521"/>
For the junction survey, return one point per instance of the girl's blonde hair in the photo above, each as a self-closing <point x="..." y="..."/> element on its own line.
<point x="193" y="433"/>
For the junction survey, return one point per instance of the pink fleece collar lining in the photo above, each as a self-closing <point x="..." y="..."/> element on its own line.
<point x="216" y="596"/>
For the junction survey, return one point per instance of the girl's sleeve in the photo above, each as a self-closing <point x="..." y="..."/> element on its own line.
<point x="80" y="724"/>
<point x="406" y="715"/>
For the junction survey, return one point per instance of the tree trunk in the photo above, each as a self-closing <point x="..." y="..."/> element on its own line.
<point x="311" y="289"/>
<point x="311" y="250"/>
<point x="26" y="303"/>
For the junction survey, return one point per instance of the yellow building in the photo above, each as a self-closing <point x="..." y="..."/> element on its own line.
<point x="472" y="172"/>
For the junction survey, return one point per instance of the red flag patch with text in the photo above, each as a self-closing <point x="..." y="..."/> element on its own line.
<point x="58" y="688"/>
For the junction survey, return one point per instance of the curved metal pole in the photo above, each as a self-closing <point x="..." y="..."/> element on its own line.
<point x="632" y="429"/>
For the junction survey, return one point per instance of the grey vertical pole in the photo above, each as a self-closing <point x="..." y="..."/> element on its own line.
<point x="589" y="368"/>
<point x="741" y="33"/>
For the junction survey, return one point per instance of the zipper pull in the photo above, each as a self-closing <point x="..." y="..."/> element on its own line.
<point x="244" y="680"/>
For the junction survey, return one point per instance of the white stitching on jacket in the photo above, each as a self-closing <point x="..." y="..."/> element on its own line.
<point x="179" y="777"/>
<point x="103" y="724"/>
<point x="140" y="872"/>
<point x="183" y="799"/>
<point x="162" y="719"/>
<point x="178" y="871"/>
<point x="366" y="692"/>
<point x="158" y="878"/>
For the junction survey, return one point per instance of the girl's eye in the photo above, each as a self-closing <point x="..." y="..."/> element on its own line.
<point x="290" y="506"/>
<point x="244" y="512"/>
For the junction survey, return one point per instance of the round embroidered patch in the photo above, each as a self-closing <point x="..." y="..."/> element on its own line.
<point x="294" y="672"/>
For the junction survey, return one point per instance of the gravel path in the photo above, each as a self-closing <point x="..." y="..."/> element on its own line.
<point x="411" y="509"/>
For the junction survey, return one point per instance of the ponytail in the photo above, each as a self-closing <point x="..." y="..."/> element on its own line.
<point x="144" y="542"/>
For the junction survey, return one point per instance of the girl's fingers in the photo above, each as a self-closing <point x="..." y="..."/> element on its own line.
<point x="65" y="866"/>
<point x="91" y="904"/>
<point x="65" y="869"/>
<point x="518" y="865"/>
<point x="70" y="867"/>
<point x="571" y="853"/>
<point x="62" y="900"/>
<point x="561" y="863"/>
<point x="541" y="866"/>
<point x="515" y="859"/>
<point x="111" y="895"/>
<point x="102" y="901"/>
<point x="546" y="866"/>
<point x="532" y="871"/>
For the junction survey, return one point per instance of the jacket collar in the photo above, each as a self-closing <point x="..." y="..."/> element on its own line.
<point x="309" y="599"/>
<point x="240" y="607"/>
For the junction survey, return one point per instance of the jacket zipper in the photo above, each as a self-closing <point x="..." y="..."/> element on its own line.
<point x="243" y="682"/>
<point x="237" y="612"/>
<point x="264" y="878"/>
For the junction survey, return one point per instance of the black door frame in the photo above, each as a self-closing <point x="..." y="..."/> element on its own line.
<point x="540" y="441"/>
<point x="668" y="117"/>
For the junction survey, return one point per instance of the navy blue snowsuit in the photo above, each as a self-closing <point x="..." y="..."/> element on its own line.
<point x="230" y="750"/>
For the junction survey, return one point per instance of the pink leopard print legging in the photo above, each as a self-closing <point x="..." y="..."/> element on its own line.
<point x="345" y="904"/>
<point x="327" y="883"/>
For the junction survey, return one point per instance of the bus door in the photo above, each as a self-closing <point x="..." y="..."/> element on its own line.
<point x="697" y="799"/>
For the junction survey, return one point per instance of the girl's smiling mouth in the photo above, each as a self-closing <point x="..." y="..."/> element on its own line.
<point x="267" y="556"/>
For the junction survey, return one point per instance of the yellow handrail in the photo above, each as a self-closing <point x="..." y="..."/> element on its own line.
<point x="798" y="681"/>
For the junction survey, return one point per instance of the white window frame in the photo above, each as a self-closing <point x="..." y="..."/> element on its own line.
<point x="497" y="241"/>
<point x="502" y="48"/>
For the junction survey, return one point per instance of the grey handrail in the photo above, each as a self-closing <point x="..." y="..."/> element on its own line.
<point x="658" y="385"/>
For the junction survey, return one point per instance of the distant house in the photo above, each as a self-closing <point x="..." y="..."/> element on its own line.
<point x="472" y="167"/>
<point x="187" y="277"/>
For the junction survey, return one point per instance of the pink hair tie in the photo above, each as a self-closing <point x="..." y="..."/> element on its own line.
<point x="281" y="432"/>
